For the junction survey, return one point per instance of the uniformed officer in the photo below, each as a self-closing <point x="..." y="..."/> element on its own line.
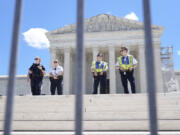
<point x="35" y="74"/>
<point x="56" y="77"/>
<point x="99" y="69"/>
<point x="126" y="65"/>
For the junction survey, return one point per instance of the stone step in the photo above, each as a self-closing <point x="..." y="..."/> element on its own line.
<point x="109" y="97"/>
<point x="118" y="104"/>
<point x="101" y="112"/>
<point x="50" y="108"/>
<point x="93" y="116"/>
<point x="96" y="133"/>
<point x="69" y="101"/>
<point x="126" y="125"/>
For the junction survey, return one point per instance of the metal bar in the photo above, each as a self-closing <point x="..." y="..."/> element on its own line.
<point x="79" y="68"/>
<point x="12" y="68"/>
<point x="151" y="81"/>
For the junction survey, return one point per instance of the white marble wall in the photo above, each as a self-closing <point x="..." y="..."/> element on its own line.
<point x="22" y="87"/>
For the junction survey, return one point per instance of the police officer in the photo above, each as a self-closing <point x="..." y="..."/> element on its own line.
<point x="56" y="77"/>
<point x="126" y="65"/>
<point x="35" y="74"/>
<point x="99" y="69"/>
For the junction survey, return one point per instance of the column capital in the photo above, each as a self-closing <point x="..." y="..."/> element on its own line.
<point x="67" y="49"/>
<point x="157" y="46"/>
<point x="111" y="48"/>
<point x="52" y="50"/>
<point x="141" y="46"/>
<point x="95" y="49"/>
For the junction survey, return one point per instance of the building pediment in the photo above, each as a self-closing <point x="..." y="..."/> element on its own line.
<point x="105" y="23"/>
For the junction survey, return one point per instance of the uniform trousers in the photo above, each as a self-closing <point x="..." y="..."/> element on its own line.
<point x="125" y="77"/>
<point x="102" y="80"/>
<point x="36" y="84"/>
<point x="56" y="84"/>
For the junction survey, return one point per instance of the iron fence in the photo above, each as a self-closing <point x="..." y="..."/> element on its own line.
<point x="79" y="68"/>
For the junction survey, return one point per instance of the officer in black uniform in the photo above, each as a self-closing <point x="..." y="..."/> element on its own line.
<point x="35" y="74"/>
<point x="99" y="69"/>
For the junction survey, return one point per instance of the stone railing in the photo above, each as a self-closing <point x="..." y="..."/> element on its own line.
<point x="22" y="87"/>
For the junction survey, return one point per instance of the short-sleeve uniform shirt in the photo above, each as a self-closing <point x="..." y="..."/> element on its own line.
<point x="36" y="72"/>
<point x="56" y="70"/>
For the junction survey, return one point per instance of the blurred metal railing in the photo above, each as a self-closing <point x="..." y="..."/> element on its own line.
<point x="150" y="70"/>
<point x="79" y="68"/>
<point x="12" y="67"/>
<point x="79" y="71"/>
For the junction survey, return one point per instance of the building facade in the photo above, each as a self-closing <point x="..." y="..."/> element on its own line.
<point x="107" y="34"/>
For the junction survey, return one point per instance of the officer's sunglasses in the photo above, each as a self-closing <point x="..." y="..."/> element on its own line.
<point x="55" y="61"/>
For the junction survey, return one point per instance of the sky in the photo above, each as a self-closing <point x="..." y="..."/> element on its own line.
<point x="40" y="16"/>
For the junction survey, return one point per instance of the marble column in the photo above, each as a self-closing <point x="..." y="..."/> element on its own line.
<point x="95" y="52"/>
<point x="112" y="75"/>
<point x="158" y="71"/>
<point x="66" y="79"/>
<point x="52" y="56"/>
<point x="142" y="69"/>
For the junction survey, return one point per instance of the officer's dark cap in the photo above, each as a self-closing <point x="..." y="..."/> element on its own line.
<point x="99" y="55"/>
